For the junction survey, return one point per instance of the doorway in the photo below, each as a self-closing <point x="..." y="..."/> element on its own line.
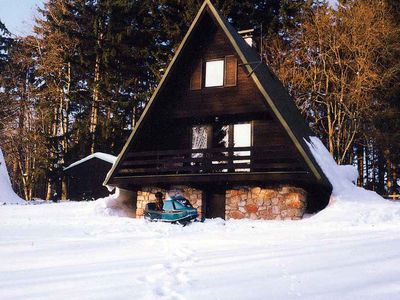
<point x="214" y="204"/>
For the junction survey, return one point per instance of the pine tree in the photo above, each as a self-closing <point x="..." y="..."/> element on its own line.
<point x="23" y="137"/>
<point x="94" y="61"/>
<point x="5" y="45"/>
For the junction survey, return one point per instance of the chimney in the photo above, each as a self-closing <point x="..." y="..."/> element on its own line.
<point x="248" y="36"/>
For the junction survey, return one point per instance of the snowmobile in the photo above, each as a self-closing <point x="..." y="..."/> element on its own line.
<point x="175" y="210"/>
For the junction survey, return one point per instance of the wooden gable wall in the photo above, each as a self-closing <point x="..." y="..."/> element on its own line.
<point x="244" y="98"/>
<point x="167" y="125"/>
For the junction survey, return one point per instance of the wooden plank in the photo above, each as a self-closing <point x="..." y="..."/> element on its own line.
<point x="269" y="148"/>
<point x="242" y="178"/>
<point x="260" y="157"/>
<point x="196" y="77"/>
<point x="230" y="70"/>
<point x="210" y="167"/>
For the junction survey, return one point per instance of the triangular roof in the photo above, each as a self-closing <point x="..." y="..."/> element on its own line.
<point x="270" y="87"/>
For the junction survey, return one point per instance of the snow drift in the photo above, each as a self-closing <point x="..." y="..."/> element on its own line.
<point x="7" y="195"/>
<point x="115" y="205"/>
<point x="349" y="203"/>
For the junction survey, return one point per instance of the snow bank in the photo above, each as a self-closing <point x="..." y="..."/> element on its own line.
<point x="7" y="195"/>
<point x="350" y="203"/>
<point x="103" y="156"/>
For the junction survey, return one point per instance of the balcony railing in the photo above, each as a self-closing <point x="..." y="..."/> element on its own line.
<point x="206" y="161"/>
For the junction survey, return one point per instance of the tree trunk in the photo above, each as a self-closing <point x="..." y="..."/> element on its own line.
<point x="48" y="190"/>
<point x="64" y="188"/>
<point x="367" y="163"/>
<point x="389" y="181"/>
<point x="360" y="163"/>
<point x="381" y="174"/>
<point x="94" y="116"/>
<point x="330" y="132"/>
<point x="65" y="130"/>
<point x="394" y="179"/>
<point x="373" y="168"/>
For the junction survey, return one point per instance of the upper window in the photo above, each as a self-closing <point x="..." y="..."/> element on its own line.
<point x="214" y="73"/>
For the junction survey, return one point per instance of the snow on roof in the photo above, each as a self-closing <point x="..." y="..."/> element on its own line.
<point x="341" y="177"/>
<point x="102" y="156"/>
<point x="7" y="195"/>
<point x="349" y="203"/>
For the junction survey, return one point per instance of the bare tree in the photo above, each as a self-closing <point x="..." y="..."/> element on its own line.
<point x="335" y="67"/>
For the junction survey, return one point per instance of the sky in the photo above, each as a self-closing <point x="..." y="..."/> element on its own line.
<point x="19" y="15"/>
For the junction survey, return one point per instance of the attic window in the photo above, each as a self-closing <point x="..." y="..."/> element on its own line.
<point x="215" y="73"/>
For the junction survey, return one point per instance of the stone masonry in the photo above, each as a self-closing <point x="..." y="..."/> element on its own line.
<point x="274" y="203"/>
<point x="147" y="194"/>
<point x="281" y="203"/>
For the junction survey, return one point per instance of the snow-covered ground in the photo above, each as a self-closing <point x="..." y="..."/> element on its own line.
<point x="68" y="251"/>
<point x="83" y="250"/>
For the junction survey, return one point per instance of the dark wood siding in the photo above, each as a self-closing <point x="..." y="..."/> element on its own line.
<point x="166" y="132"/>
<point x="230" y="70"/>
<point x="240" y="94"/>
<point x="196" y="76"/>
<point x="85" y="181"/>
<point x="270" y="135"/>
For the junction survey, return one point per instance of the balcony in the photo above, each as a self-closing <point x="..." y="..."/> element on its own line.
<point x="237" y="160"/>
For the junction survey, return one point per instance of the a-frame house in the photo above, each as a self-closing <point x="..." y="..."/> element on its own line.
<point x="221" y="130"/>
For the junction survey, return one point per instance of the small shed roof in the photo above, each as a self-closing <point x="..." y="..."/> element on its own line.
<point x="99" y="155"/>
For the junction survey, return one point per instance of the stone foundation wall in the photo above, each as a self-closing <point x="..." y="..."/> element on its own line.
<point x="280" y="203"/>
<point x="147" y="195"/>
<point x="275" y="203"/>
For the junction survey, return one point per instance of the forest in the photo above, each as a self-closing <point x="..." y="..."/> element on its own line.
<point x="79" y="83"/>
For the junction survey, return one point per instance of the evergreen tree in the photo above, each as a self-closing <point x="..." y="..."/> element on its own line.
<point x="5" y="44"/>
<point x="5" y="102"/>
<point x="274" y="17"/>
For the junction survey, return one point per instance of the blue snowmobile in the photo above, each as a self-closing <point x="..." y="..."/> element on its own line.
<point x="175" y="210"/>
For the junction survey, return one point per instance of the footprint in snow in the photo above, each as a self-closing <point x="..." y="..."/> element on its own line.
<point x="167" y="280"/>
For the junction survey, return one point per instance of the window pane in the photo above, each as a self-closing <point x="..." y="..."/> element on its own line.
<point x="168" y="205"/>
<point x="242" y="138"/>
<point x="220" y="138"/>
<point x="242" y="135"/>
<point x="214" y="73"/>
<point x="199" y="139"/>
